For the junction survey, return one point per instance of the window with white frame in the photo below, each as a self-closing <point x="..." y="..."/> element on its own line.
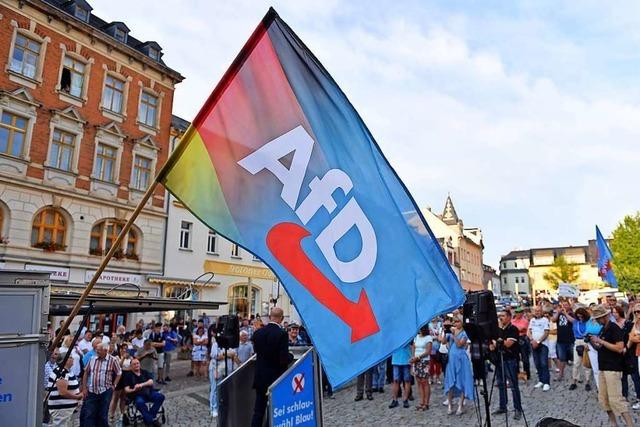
<point x="141" y="172"/>
<point x="148" y="109"/>
<point x="62" y="147"/>
<point x="105" y="164"/>
<point x="212" y="242"/>
<point x="13" y="130"/>
<point x="185" y="234"/>
<point x="113" y="94"/>
<point x="235" y="250"/>
<point x="25" y="58"/>
<point x="72" y="77"/>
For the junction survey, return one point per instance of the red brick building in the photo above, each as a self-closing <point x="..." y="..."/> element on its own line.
<point x="85" y="117"/>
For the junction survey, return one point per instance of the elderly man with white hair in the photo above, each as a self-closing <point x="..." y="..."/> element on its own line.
<point x="245" y="349"/>
<point x="101" y="375"/>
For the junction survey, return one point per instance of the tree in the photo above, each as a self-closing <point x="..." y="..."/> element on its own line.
<point x="562" y="272"/>
<point x="626" y="253"/>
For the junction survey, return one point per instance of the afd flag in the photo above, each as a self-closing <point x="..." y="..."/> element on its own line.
<point x="605" y="269"/>
<point x="281" y="163"/>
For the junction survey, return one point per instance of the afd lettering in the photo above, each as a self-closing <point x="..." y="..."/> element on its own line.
<point x="351" y="215"/>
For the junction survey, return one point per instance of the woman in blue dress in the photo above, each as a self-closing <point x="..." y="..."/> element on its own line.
<point x="458" y="377"/>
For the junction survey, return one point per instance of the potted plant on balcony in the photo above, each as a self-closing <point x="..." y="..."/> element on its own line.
<point x="48" y="246"/>
<point x="132" y="255"/>
<point x="95" y="251"/>
<point x="119" y="254"/>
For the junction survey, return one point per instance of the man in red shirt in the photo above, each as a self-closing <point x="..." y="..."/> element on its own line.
<point x="521" y="322"/>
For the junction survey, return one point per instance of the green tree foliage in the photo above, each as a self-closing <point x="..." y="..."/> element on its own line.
<point x="562" y="272"/>
<point x="626" y="253"/>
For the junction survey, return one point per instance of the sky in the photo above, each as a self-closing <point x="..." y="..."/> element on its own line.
<point x="527" y="113"/>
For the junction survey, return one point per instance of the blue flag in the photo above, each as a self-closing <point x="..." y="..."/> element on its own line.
<point x="280" y="162"/>
<point x="605" y="269"/>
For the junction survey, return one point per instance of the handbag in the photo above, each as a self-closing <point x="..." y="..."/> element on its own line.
<point x="586" y="362"/>
<point x="580" y="350"/>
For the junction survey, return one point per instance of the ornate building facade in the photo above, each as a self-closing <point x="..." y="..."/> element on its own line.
<point x="462" y="246"/>
<point x="85" y="114"/>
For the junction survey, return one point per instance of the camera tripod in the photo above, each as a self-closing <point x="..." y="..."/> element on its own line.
<point x="478" y="357"/>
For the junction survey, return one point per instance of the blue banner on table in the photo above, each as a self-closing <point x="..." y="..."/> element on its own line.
<point x="605" y="269"/>
<point x="293" y="398"/>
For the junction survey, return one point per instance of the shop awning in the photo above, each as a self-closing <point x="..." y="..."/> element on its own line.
<point x="62" y="304"/>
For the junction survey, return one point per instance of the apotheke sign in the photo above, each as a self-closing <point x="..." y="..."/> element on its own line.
<point x="113" y="277"/>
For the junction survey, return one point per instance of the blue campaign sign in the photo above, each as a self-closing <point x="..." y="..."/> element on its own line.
<point x="293" y="397"/>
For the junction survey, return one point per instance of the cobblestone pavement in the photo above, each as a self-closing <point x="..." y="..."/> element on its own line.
<point x="187" y="405"/>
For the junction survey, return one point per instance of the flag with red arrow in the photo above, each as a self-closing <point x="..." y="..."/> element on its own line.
<point x="280" y="162"/>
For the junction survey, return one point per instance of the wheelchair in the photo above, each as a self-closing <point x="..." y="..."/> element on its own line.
<point x="134" y="418"/>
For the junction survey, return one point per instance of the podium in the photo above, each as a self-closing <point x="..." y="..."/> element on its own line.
<point x="295" y="399"/>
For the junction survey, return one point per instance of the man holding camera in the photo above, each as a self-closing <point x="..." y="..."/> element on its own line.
<point x="610" y="345"/>
<point x="506" y="351"/>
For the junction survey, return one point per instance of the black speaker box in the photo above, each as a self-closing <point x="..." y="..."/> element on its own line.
<point x="228" y="331"/>
<point x="480" y="317"/>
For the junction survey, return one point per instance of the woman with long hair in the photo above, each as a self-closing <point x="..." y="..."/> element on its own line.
<point x="458" y="377"/>
<point x="579" y="324"/>
<point x="593" y="328"/>
<point x="422" y="344"/>
<point x="199" y="352"/>
<point x="631" y="329"/>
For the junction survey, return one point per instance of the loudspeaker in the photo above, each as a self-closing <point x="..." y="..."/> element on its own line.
<point x="480" y="317"/>
<point x="228" y="331"/>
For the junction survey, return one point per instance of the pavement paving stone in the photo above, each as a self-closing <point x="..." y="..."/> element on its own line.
<point x="186" y="404"/>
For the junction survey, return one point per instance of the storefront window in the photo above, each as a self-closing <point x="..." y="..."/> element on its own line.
<point x="244" y="300"/>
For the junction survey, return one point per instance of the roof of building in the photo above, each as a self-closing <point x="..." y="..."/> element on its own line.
<point x="516" y="254"/>
<point x="449" y="214"/>
<point x="102" y="26"/>
<point x="179" y="123"/>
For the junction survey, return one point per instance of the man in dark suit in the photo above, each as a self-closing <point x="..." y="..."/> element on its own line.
<point x="271" y="344"/>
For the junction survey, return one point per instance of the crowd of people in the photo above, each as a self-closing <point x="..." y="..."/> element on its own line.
<point x="108" y="371"/>
<point x="593" y="347"/>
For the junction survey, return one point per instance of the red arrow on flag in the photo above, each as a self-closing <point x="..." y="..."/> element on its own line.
<point x="284" y="241"/>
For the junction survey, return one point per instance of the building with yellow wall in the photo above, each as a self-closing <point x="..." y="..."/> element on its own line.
<point x="531" y="265"/>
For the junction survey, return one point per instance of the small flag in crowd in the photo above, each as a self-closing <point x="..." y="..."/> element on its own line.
<point x="605" y="269"/>
<point x="280" y="162"/>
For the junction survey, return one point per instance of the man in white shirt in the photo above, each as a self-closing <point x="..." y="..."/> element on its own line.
<point x="84" y="344"/>
<point x="138" y="341"/>
<point x="538" y="333"/>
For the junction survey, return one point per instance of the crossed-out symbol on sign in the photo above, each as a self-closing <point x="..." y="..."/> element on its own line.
<point x="298" y="383"/>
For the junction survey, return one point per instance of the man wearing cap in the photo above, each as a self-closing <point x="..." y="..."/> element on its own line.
<point x="610" y="345"/>
<point x="294" y="335"/>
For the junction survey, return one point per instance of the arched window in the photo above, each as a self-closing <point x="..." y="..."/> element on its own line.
<point x="105" y="233"/>
<point x="49" y="230"/>
<point x="244" y="300"/>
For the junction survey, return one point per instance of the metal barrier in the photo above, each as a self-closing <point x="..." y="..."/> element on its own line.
<point x="236" y="396"/>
